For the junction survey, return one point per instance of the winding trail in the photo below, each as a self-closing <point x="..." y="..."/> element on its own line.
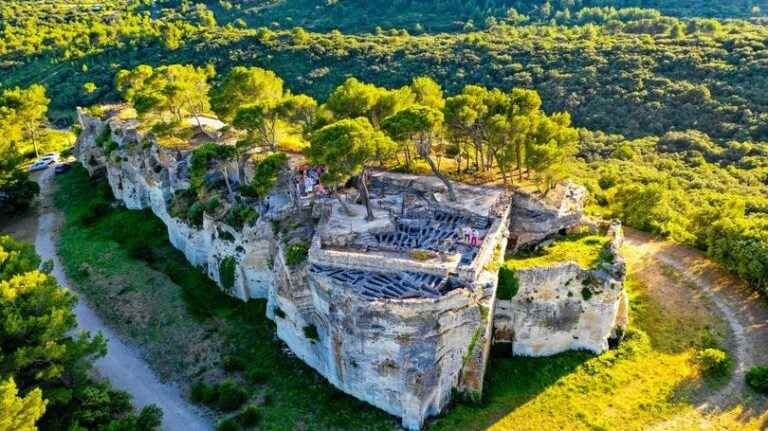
<point x="123" y="365"/>
<point x="743" y="309"/>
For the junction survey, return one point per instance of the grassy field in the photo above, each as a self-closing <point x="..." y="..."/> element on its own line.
<point x="122" y="262"/>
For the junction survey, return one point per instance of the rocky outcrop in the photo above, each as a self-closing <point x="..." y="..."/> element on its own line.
<point x="566" y="307"/>
<point x="401" y="311"/>
<point x="143" y="175"/>
<point x="536" y="218"/>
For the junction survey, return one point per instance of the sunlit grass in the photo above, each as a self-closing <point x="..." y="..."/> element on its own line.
<point x="584" y="250"/>
<point x="647" y="380"/>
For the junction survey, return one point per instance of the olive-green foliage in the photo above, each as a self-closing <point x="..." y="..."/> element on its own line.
<point x="265" y="175"/>
<point x="296" y="254"/>
<point x="233" y="363"/>
<point x="202" y="157"/>
<point x="715" y="362"/>
<point x="231" y="396"/>
<point x="508" y="284"/>
<point x="226" y="396"/>
<point x="459" y="16"/>
<point x="757" y="379"/>
<point x="310" y="333"/>
<point x="586" y="250"/>
<point x="227" y="268"/>
<point x="50" y="357"/>
<point x="249" y="416"/>
<point x="240" y="216"/>
<point x="228" y="425"/>
<point x="104" y="137"/>
<point x="17" y="191"/>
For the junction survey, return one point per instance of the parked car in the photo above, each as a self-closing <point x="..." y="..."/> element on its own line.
<point x="40" y="165"/>
<point x="61" y="168"/>
<point x="51" y="156"/>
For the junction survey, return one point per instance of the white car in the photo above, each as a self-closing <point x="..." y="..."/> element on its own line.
<point x="54" y="157"/>
<point x="41" y="165"/>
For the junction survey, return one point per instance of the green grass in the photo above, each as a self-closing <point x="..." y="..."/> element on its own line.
<point x="643" y="382"/>
<point x="584" y="250"/>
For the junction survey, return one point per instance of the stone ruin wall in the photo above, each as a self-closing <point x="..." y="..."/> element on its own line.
<point x="566" y="307"/>
<point x="406" y="357"/>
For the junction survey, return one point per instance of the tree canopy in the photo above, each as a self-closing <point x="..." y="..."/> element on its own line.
<point x="347" y="148"/>
<point x="42" y="352"/>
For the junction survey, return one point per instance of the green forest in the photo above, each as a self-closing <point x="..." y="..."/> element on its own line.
<point x="672" y="111"/>
<point x="658" y="107"/>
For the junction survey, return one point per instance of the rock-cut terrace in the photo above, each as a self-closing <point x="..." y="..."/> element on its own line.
<point x="431" y="237"/>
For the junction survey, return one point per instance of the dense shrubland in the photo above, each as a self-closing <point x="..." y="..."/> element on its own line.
<point x="47" y="360"/>
<point x="673" y="110"/>
<point x="360" y="16"/>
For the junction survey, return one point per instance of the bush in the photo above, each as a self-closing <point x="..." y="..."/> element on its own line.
<point x="151" y="417"/>
<point x="757" y="379"/>
<point x="203" y="393"/>
<point x="715" y="362"/>
<point x="195" y="214"/>
<point x="228" y="425"/>
<point x="249" y="416"/>
<point x="233" y="364"/>
<point x="94" y="212"/>
<point x="241" y="215"/>
<point x="296" y="254"/>
<point x="508" y="284"/>
<point x="265" y="176"/>
<point x="257" y="376"/>
<point x="231" y="396"/>
<point x="310" y="332"/>
<point x="227" y="273"/>
<point x="422" y="255"/>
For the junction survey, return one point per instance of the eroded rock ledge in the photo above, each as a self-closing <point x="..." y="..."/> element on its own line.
<point x="400" y="312"/>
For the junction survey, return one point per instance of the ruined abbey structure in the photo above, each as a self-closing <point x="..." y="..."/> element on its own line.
<point x="400" y="311"/>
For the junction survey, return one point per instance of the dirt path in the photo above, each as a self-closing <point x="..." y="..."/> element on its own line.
<point x="123" y="365"/>
<point x="744" y="311"/>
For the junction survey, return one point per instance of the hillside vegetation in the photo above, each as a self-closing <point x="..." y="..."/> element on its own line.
<point x="673" y="112"/>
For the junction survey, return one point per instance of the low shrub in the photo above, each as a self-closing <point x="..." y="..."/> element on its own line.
<point x="715" y="362"/>
<point x="227" y="268"/>
<point x="249" y="416"/>
<point x="757" y="379"/>
<point x="310" y="332"/>
<point x="296" y="254"/>
<point x="233" y="364"/>
<point x="257" y="376"/>
<point x="228" y="425"/>
<point x="240" y="216"/>
<point x="203" y="393"/>
<point x="422" y="255"/>
<point x="231" y="396"/>
<point x="94" y="212"/>
<point x="508" y="284"/>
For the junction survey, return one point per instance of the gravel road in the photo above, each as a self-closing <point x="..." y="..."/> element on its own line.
<point x="123" y="364"/>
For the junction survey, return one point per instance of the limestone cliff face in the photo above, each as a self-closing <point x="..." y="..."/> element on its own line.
<point x="535" y="218"/>
<point x="143" y="175"/>
<point x="406" y="355"/>
<point x="565" y="307"/>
